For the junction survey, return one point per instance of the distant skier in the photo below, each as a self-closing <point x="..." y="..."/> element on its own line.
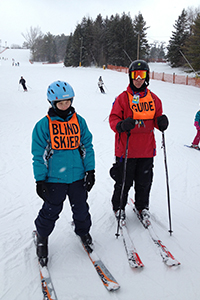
<point x="23" y="83"/>
<point x="100" y="85"/>
<point x="197" y="125"/>
<point x="63" y="164"/>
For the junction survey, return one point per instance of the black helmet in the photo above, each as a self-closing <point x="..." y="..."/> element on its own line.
<point x="139" y="65"/>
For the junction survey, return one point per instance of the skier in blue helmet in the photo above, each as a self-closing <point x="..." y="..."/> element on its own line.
<point x="63" y="165"/>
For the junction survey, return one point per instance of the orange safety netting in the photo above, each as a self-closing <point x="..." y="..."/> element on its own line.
<point x="173" y="78"/>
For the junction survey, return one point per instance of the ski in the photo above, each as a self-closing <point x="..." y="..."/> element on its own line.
<point x="106" y="277"/>
<point x="132" y="255"/>
<point x="46" y="282"/>
<point x="166" y="255"/>
<point x="192" y="147"/>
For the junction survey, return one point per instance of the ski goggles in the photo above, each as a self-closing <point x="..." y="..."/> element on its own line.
<point x="138" y="74"/>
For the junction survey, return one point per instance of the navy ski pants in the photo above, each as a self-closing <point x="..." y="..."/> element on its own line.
<point x="139" y="171"/>
<point x="55" y="195"/>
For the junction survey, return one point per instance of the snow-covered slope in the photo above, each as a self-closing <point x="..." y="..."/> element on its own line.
<point x="73" y="275"/>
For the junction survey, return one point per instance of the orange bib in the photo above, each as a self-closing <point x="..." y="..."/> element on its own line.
<point x="65" y="135"/>
<point x="145" y="109"/>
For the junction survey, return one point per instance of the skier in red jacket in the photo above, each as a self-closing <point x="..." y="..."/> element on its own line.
<point x="138" y="111"/>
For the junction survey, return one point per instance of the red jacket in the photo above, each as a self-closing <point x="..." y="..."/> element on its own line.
<point x="142" y="140"/>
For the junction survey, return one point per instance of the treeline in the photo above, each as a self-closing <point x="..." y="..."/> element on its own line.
<point x="115" y="40"/>
<point x="118" y="40"/>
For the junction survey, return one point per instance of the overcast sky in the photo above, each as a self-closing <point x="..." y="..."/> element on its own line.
<point x="62" y="16"/>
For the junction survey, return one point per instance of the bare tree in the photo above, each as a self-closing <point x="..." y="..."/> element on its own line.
<point x="31" y="37"/>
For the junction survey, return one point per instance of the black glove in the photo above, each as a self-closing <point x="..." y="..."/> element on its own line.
<point x="40" y="188"/>
<point x="89" y="180"/>
<point x="125" y="125"/>
<point x="162" y="122"/>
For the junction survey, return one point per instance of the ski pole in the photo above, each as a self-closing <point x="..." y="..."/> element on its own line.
<point x="105" y="118"/>
<point x="123" y="183"/>
<point x="167" y="182"/>
<point x="106" y="87"/>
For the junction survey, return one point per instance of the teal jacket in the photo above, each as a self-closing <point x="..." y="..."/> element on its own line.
<point x="197" y="120"/>
<point x="197" y="117"/>
<point x="61" y="166"/>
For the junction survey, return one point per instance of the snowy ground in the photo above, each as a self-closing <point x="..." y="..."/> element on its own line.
<point x="73" y="275"/>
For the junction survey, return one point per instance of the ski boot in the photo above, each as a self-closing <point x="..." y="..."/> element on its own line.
<point x="42" y="250"/>
<point x="87" y="242"/>
<point x="122" y="215"/>
<point x="195" y="147"/>
<point x="144" y="216"/>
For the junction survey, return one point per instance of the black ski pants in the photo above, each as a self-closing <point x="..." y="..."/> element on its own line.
<point x="55" y="195"/>
<point x="102" y="89"/>
<point x="139" y="171"/>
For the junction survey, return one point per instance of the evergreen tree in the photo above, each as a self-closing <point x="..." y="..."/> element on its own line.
<point x="192" y="48"/>
<point x="61" y="44"/>
<point x="121" y="41"/>
<point x="99" y="36"/>
<point x="178" y="40"/>
<point x="74" y="48"/>
<point x="38" y="50"/>
<point x="127" y="39"/>
<point x="79" y="46"/>
<point x="113" y="41"/>
<point x="192" y="14"/>
<point x="49" y="48"/>
<point x="69" y="58"/>
<point x="141" y="49"/>
<point x="87" y="28"/>
<point x="106" y="41"/>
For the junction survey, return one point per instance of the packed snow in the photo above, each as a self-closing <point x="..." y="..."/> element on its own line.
<point x="72" y="272"/>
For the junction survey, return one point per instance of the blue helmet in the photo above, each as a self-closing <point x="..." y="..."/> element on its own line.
<point x="59" y="91"/>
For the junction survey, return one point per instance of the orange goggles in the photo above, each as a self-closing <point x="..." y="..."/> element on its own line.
<point x="138" y="74"/>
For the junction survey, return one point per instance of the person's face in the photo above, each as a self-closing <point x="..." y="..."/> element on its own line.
<point x="63" y="105"/>
<point x="138" y="77"/>
<point x="138" y="82"/>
